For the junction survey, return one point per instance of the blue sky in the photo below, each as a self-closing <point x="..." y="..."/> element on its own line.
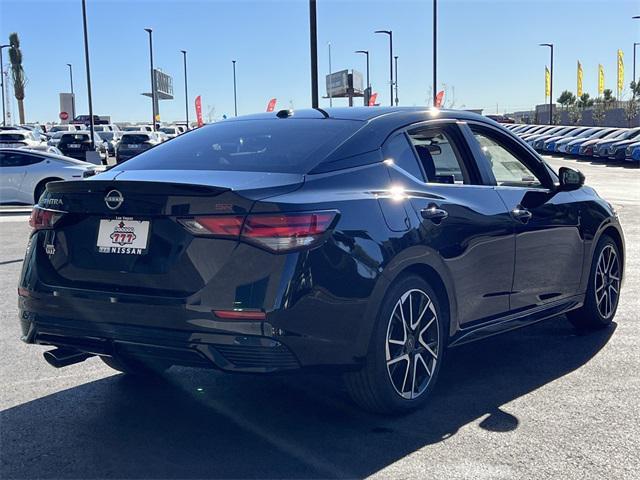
<point x="488" y="50"/>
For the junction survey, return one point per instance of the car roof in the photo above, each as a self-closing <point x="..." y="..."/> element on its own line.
<point x="367" y="113"/>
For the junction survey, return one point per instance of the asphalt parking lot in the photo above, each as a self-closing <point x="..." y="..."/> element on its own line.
<point x="541" y="402"/>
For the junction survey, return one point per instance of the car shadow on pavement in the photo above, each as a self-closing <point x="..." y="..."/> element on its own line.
<point x="203" y="424"/>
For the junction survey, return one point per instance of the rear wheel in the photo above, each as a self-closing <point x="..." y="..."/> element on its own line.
<point x="603" y="291"/>
<point x="405" y="352"/>
<point x="136" y="367"/>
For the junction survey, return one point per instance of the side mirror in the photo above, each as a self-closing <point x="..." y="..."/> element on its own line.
<point x="570" y="179"/>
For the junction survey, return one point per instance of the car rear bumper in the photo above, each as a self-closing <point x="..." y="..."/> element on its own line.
<point x="251" y="349"/>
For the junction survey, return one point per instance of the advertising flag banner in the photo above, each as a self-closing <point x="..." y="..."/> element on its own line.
<point x="199" y="111"/>
<point x="547" y="82"/>
<point x="600" y="79"/>
<point x="439" y="99"/>
<point x="372" y="99"/>
<point x="579" y="89"/>
<point x="620" y="72"/>
<point x="271" y="105"/>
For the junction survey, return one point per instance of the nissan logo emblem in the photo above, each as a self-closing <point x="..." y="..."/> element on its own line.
<point x="114" y="199"/>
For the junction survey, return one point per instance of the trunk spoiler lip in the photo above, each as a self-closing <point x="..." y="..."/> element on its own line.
<point x="162" y="188"/>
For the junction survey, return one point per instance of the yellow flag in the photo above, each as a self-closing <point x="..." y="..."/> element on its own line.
<point x="600" y="80"/>
<point x="547" y="82"/>
<point x="620" y="72"/>
<point x="579" y="89"/>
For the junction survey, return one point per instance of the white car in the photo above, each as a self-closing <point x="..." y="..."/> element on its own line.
<point x="18" y="138"/>
<point x="54" y="139"/>
<point x="137" y="128"/>
<point x="24" y="174"/>
<point x="65" y="128"/>
<point x="171" y="131"/>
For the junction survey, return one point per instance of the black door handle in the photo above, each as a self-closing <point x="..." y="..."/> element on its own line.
<point x="522" y="214"/>
<point x="434" y="213"/>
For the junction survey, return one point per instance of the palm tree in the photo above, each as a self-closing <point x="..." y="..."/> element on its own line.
<point x="585" y="101"/>
<point x="17" y="72"/>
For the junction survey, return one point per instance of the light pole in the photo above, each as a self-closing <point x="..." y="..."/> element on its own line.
<point x="635" y="44"/>
<point x="313" y="43"/>
<point x="235" y="98"/>
<point x="73" y="97"/>
<point x="435" y="51"/>
<point x="550" y="45"/>
<point x="368" y="96"/>
<point x="153" y="79"/>
<point x="329" y="92"/>
<point x="86" y="61"/>
<point x="186" y="92"/>
<point x="4" y="115"/>
<point x="390" y="33"/>
<point x="396" y="80"/>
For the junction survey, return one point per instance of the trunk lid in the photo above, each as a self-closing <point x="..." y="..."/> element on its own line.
<point x="172" y="262"/>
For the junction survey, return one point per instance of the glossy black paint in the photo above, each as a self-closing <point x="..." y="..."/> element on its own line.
<point x="495" y="270"/>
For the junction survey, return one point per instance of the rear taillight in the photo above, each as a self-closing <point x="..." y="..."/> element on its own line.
<point x="275" y="232"/>
<point x="44" y="219"/>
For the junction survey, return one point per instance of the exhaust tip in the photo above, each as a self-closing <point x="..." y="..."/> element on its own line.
<point x="63" y="357"/>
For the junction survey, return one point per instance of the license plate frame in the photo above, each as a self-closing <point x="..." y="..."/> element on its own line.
<point x="123" y="236"/>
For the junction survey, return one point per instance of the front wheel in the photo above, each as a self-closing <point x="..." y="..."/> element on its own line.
<point x="603" y="291"/>
<point x="405" y="352"/>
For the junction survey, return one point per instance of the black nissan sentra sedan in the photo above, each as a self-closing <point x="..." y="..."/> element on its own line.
<point x="362" y="240"/>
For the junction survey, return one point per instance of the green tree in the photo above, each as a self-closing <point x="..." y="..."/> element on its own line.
<point x="608" y="98"/>
<point x="599" y="111"/>
<point x="585" y="101"/>
<point x="566" y="99"/>
<point x="575" y="114"/>
<point x="17" y="72"/>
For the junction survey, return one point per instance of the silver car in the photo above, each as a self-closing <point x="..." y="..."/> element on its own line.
<point x="24" y="174"/>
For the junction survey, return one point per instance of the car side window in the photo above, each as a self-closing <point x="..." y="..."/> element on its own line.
<point x="439" y="156"/>
<point x="399" y="150"/>
<point x="507" y="168"/>
<point x="17" y="159"/>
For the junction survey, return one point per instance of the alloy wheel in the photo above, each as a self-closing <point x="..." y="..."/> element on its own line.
<point x="412" y="344"/>
<point x="607" y="281"/>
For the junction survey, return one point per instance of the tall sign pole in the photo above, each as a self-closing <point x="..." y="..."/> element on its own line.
<point x="86" y="60"/>
<point x="313" y="40"/>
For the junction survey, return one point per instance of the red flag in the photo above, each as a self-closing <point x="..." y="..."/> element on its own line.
<point x="439" y="99"/>
<point x="372" y="99"/>
<point x="272" y="105"/>
<point x="199" y="111"/>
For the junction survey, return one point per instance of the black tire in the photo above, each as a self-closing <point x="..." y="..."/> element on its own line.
<point x="373" y="387"/>
<point x="136" y="367"/>
<point x="594" y="314"/>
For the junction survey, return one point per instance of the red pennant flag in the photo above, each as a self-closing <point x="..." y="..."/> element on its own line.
<point x="439" y="99"/>
<point x="199" y="111"/>
<point x="272" y="105"/>
<point x="372" y="99"/>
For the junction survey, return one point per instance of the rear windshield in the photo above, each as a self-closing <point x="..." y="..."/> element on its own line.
<point x="271" y="145"/>
<point x="135" y="138"/>
<point x="8" y="137"/>
<point x="74" y="137"/>
<point x="169" y="130"/>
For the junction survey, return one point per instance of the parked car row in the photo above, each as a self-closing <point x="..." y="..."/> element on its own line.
<point x="599" y="143"/>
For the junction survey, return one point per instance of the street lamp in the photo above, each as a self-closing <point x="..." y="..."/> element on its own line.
<point x="635" y="44"/>
<point x="86" y="61"/>
<point x="435" y="52"/>
<point x="73" y="97"/>
<point x="4" y="115"/>
<point x="329" y="92"/>
<point x="186" y="93"/>
<point x="396" y="80"/>
<point x="390" y="33"/>
<point x="368" y="96"/>
<point x="550" y="45"/>
<point x="235" y="98"/>
<point x="153" y="80"/>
